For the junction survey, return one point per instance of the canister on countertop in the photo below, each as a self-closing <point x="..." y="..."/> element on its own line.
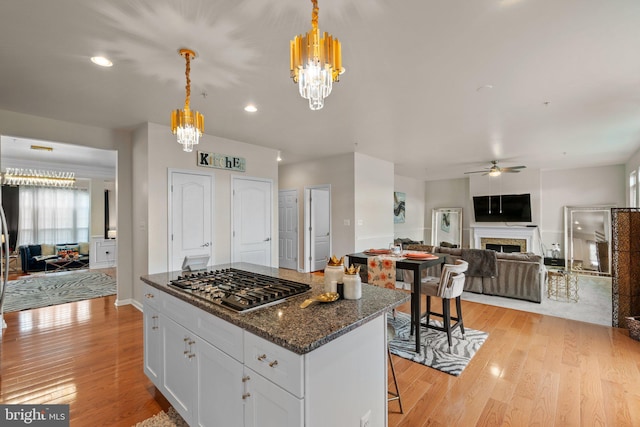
<point x="352" y="283"/>
<point x="333" y="272"/>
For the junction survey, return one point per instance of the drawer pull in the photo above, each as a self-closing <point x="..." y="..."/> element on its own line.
<point x="154" y="316"/>
<point x="191" y="356"/>
<point x="154" y="327"/>
<point x="245" y="395"/>
<point x="148" y="295"/>
<point x="191" y="342"/>
<point x="246" y="378"/>
<point x="274" y="363"/>
<point x="262" y="357"/>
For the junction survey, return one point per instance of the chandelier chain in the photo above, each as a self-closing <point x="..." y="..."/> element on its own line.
<point x="314" y="14"/>
<point x="187" y="57"/>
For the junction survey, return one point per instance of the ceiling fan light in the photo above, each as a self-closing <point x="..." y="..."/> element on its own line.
<point x="494" y="172"/>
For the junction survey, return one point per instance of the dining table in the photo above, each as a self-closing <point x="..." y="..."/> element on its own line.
<point x="404" y="263"/>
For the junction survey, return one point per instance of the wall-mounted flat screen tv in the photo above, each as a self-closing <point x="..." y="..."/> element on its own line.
<point x="502" y="208"/>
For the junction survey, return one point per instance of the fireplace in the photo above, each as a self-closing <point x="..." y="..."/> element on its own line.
<point x="506" y="239"/>
<point x="503" y="248"/>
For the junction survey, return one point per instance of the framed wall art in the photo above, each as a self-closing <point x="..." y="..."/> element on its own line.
<point x="398" y="206"/>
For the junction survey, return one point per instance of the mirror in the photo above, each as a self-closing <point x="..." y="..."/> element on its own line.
<point x="446" y="227"/>
<point x="587" y="239"/>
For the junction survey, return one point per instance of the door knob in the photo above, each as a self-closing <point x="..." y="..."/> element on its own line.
<point x="206" y="245"/>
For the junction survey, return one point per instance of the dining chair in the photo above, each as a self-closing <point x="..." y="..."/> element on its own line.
<point x="448" y="286"/>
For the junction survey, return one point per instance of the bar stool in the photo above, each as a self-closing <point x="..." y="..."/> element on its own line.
<point x="395" y="395"/>
<point x="448" y="286"/>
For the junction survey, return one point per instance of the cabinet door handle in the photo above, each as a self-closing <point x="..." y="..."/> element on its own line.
<point x="191" y="356"/>
<point x="148" y="295"/>
<point x="274" y="363"/>
<point x="262" y="357"/>
<point x="246" y="378"/>
<point x="245" y="395"/>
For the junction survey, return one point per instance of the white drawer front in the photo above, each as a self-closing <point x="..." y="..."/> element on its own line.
<point x="279" y="365"/>
<point x="179" y="311"/>
<point x="151" y="296"/>
<point x="221" y="334"/>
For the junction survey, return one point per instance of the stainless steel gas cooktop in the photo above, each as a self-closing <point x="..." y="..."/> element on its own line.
<point x="238" y="290"/>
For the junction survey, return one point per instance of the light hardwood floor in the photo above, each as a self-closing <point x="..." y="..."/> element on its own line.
<point x="533" y="370"/>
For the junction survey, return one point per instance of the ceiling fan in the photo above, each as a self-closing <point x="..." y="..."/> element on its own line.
<point x="496" y="170"/>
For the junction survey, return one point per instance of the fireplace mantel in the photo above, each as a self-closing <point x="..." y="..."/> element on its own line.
<point x="501" y="233"/>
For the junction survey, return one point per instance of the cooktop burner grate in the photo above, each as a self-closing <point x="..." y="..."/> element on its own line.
<point x="238" y="290"/>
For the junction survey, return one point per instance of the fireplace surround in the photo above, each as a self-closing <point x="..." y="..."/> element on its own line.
<point x="524" y="237"/>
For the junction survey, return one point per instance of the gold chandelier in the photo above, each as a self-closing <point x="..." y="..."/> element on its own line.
<point x="39" y="178"/>
<point x="187" y="124"/>
<point x="315" y="63"/>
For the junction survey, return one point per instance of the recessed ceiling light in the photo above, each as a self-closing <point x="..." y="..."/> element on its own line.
<point x="101" y="61"/>
<point x="250" y="108"/>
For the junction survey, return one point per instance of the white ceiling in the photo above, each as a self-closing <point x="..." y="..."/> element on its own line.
<point x="565" y="75"/>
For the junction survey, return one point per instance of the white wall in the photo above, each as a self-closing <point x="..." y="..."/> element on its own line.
<point x="163" y="152"/>
<point x="28" y="126"/>
<point x="336" y="171"/>
<point x="414" y="225"/>
<point x="550" y="191"/>
<point x="450" y="193"/>
<point x="605" y="185"/>
<point x="97" y="208"/>
<point x="633" y="164"/>
<point x="374" y="185"/>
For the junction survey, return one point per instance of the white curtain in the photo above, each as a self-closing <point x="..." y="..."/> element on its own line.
<point x="53" y="215"/>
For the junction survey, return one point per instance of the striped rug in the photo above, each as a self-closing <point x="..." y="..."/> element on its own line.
<point x="434" y="351"/>
<point x="53" y="289"/>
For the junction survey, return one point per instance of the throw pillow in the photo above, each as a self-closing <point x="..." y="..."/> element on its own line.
<point x="47" y="249"/>
<point x="83" y="248"/>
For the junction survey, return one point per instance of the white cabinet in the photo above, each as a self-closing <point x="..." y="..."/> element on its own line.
<point x="220" y="388"/>
<point x="152" y="335"/>
<point x="103" y="253"/>
<point x="179" y="372"/>
<point x="216" y="374"/>
<point x="268" y="405"/>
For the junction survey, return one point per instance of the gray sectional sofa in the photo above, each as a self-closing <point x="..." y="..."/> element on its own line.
<point x="514" y="275"/>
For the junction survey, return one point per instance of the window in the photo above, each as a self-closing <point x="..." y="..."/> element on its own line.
<point x="633" y="189"/>
<point x="53" y="215"/>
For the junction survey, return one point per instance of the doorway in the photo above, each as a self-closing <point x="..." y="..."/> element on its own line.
<point x="191" y="216"/>
<point x="288" y="229"/>
<point x="317" y="207"/>
<point x="251" y="220"/>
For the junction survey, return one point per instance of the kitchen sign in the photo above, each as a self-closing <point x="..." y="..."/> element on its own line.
<point x="221" y="161"/>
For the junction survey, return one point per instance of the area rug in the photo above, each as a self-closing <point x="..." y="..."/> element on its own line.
<point x="53" y="289"/>
<point x="593" y="306"/>
<point x="434" y="349"/>
<point x="171" y="418"/>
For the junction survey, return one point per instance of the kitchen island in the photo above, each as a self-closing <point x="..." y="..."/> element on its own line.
<point x="278" y="365"/>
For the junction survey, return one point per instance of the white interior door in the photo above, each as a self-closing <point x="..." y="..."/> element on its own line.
<point x="288" y="229"/>
<point x="191" y="217"/>
<point x="252" y="220"/>
<point x="319" y="227"/>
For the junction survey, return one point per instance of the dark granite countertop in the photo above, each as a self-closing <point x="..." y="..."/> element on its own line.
<point x="288" y="325"/>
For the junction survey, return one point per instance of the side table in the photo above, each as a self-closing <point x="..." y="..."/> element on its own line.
<point x="562" y="285"/>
